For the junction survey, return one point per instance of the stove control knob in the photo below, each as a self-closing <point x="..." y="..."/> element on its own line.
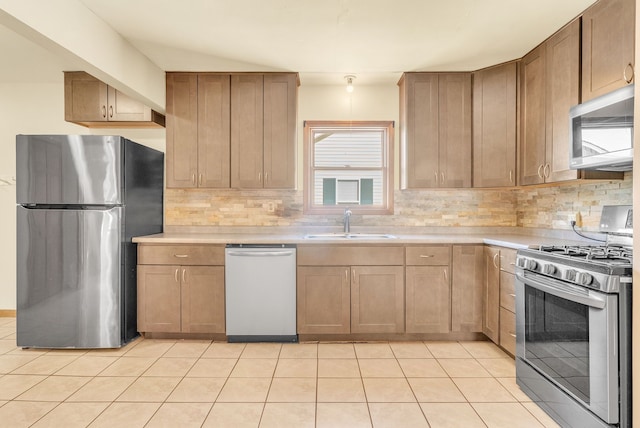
<point x="531" y="265"/>
<point x="549" y="269"/>
<point x="570" y="275"/>
<point x="584" y="278"/>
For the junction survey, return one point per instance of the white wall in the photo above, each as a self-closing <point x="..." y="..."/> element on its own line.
<point x="36" y="108"/>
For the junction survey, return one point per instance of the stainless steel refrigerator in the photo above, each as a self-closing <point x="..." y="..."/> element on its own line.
<point x="81" y="199"/>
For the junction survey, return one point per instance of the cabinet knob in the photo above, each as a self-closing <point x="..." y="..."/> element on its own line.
<point x="176" y="275"/>
<point x="104" y="111"/>
<point x="111" y="111"/>
<point x="495" y="256"/>
<point x="546" y="170"/>
<point x="181" y="256"/>
<point x="628" y="77"/>
<point x="510" y="176"/>
<point x="540" y="171"/>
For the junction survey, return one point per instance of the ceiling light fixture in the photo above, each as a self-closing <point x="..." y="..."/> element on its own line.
<point x="349" y="78"/>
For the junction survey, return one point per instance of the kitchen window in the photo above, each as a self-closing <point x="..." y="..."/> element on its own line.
<point x="348" y="165"/>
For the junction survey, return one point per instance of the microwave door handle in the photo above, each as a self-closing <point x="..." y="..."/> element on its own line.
<point x="563" y="292"/>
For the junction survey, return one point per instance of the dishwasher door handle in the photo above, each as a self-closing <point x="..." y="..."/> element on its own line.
<point x="260" y="253"/>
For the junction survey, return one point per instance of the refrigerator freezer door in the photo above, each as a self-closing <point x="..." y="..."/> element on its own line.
<point x="69" y="169"/>
<point x="69" y="278"/>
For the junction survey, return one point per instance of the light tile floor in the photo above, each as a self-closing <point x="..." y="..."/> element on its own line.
<point x="173" y="383"/>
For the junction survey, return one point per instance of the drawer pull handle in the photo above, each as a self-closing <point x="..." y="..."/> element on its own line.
<point x="426" y="256"/>
<point x="512" y="335"/>
<point x="184" y="275"/>
<point x="176" y="275"/>
<point x="181" y="256"/>
<point x="512" y="295"/>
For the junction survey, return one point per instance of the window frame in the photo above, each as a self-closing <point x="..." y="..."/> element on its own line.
<point x="387" y="126"/>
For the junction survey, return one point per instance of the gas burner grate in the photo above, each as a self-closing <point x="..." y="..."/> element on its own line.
<point x="605" y="253"/>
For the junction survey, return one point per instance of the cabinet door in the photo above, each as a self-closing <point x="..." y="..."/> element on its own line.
<point x="377" y="299"/>
<point x="428" y="301"/>
<point x="214" y="130"/>
<point x="159" y="298"/>
<point x="454" y="130"/>
<point x="85" y="98"/>
<point x="491" y="324"/>
<point x="323" y="300"/>
<point x="203" y="299"/>
<point x="532" y="117"/>
<point x="280" y="130"/>
<point x="247" y="118"/>
<point x="494" y="126"/>
<point x="121" y="107"/>
<point x="563" y="92"/>
<point x="466" y="288"/>
<point x="419" y="136"/>
<point x="608" y="36"/>
<point x="182" y="130"/>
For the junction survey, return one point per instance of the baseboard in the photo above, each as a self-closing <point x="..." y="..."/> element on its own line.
<point x="8" y="313"/>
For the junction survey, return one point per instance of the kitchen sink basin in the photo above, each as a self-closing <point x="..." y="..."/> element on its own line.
<point x="349" y="236"/>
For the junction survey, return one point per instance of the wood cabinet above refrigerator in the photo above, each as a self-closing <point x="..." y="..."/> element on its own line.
<point x="92" y="103"/>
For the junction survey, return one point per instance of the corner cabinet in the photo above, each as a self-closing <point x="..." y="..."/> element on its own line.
<point x="231" y="130"/>
<point x="94" y="104"/>
<point x="608" y="40"/>
<point x="181" y="289"/>
<point x="435" y="130"/>
<point x="494" y="126"/>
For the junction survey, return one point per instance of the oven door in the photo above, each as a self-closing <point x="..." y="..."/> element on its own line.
<point x="569" y="335"/>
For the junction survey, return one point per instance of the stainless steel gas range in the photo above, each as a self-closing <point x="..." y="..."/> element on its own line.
<point x="573" y="326"/>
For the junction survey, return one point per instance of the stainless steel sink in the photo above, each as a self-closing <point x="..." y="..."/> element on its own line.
<point x="349" y="236"/>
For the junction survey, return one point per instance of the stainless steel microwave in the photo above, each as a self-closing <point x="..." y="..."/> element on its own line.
<point x="602" y="132"/>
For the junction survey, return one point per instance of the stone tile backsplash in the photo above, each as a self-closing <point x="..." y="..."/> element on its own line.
<point x="550" y="207"/>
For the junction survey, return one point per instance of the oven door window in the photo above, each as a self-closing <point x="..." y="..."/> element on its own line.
<point x="557" y="340"/>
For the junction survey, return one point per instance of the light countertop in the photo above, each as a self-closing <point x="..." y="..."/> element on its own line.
<point x="508" y="240"/>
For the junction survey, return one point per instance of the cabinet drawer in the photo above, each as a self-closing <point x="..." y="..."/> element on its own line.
<point x="185" y="255"/>
<point x="508" y="260"/>
<point x="507" y="291"/>
<point x="508" y="330"/>
<point x="428" y="256"/>
<point x="341" y="255"/>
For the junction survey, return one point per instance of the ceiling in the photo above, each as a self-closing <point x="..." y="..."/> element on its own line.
<point x="376" y="40"/>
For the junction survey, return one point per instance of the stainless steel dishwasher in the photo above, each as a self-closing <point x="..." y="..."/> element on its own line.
<point x="260" y="293"/>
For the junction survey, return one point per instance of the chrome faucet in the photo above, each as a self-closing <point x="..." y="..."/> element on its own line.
<point x="346" y="219"/>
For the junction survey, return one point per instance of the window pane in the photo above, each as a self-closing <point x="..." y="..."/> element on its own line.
<point x="348" y="149"/>
<point x="327" y="185"/>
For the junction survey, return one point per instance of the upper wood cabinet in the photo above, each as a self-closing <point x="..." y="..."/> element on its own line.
<point x="435" y="130"/>
<point x="494" y="126"/>
<point x="608" y="35"/>
<point x="532" y="117"/>
<point x="231" y="130"/>
<point x="549" y="87"/>
<point x="92" y="103"/>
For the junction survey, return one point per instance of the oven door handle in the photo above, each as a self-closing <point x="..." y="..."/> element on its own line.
<point x="574" y="295"/>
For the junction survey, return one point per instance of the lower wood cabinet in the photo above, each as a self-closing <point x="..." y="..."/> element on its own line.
<point x="344" y="289"/>
<point x="491" y="298"/>
<point x="428" y="299"/>
<point x="428" y="288"/>
<point x="499" y="302"/>
<point x="181" y="298"/>
<point x="324" y="299"/>
<point x="467" y="288"/>
<point x="377" y="299"/>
